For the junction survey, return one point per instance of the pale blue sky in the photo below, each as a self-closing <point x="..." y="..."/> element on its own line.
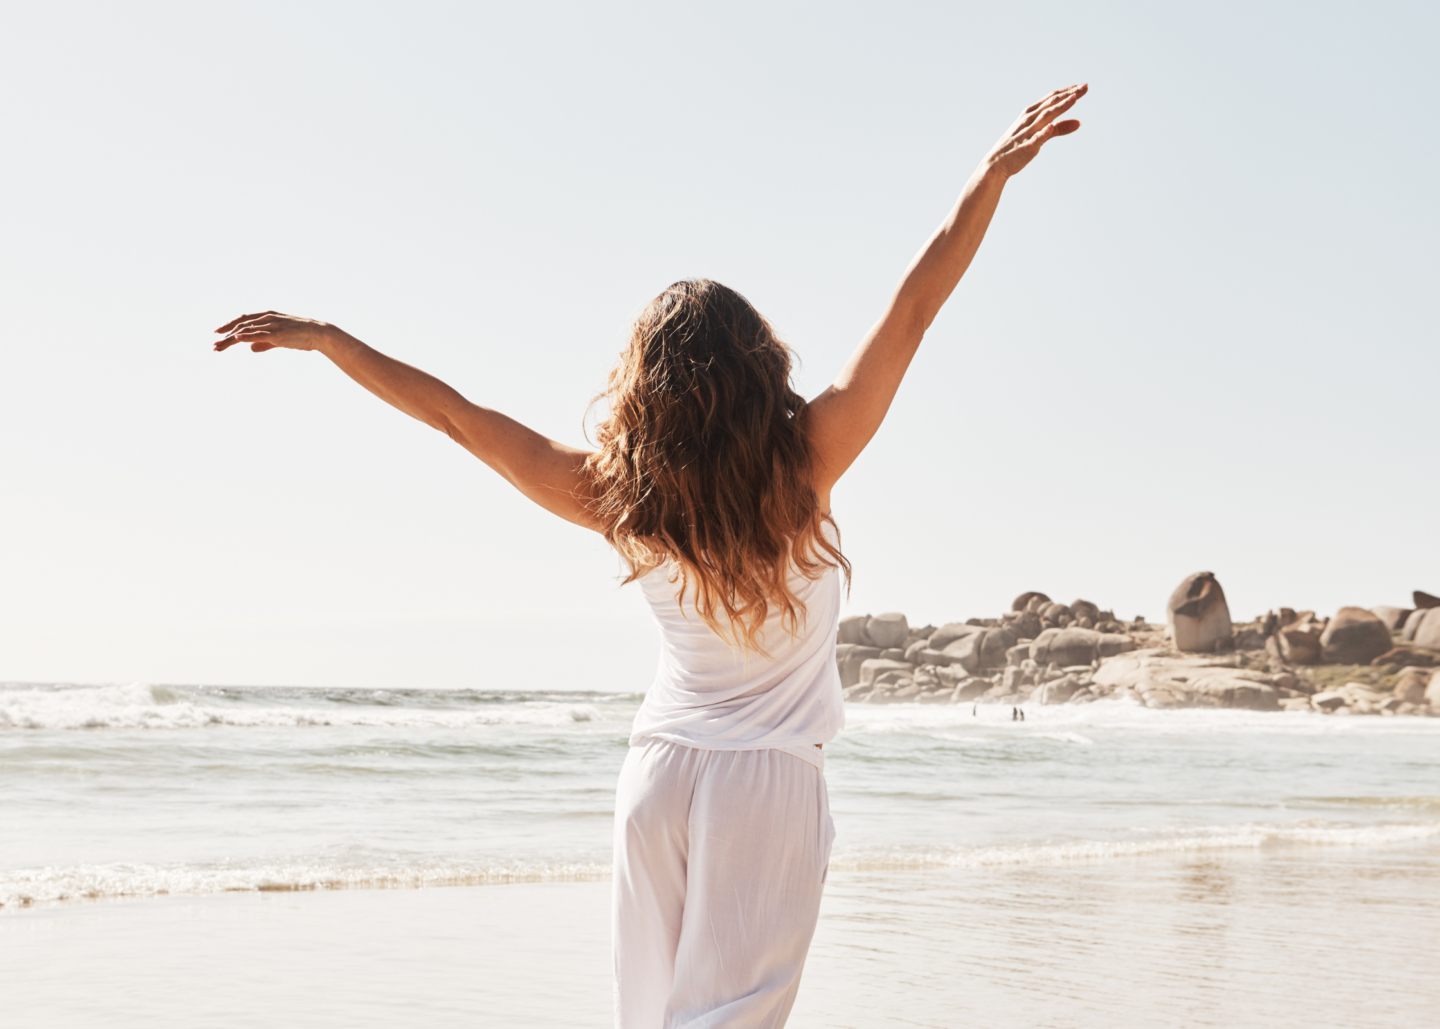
<point x="1200" y="336"/>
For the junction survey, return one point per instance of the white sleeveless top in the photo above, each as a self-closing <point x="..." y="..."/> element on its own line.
<point x="710" y="695"/>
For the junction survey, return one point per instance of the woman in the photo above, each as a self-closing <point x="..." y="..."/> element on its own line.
<point x="712" y="480"/>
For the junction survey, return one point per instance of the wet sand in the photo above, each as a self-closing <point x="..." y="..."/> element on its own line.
<point x="1292" y="937"/>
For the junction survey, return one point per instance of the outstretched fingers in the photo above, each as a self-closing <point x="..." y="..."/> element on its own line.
<point x="272" y="330"/>
<point x="244" y="318"/>
<point x="1047" y="98"/>
<point x="256" y="329"/>
<point x="246" y="332"/>
<point x="1054" y="105"/>
<point x="1040" y="123"/>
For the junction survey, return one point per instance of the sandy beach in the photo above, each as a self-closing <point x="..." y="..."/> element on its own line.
<point x="1284" y="938"/>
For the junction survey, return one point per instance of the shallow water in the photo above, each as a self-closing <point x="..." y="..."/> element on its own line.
<point x="1092" y="865"/>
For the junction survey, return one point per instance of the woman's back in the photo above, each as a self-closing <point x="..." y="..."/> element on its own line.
<point x="710" y="694"/>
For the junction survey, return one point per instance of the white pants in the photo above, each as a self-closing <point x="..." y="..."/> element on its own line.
<point x="720" y="858"/>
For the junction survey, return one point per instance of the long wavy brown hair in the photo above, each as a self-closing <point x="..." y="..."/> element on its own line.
<point x="703" y="459"/>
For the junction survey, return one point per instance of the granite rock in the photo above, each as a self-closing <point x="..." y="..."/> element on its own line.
<point x="1354" y="637"/>
<point x="1198" y="615"/>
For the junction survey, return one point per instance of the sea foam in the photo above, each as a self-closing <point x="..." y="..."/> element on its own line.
<point x="23" y="888"/>
<point x="142" y="706"/>
<point x="26" y="887"/>
<point x="1179" y="843"/>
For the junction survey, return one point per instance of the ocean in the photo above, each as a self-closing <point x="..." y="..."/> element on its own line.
<point x="263" y="856"/>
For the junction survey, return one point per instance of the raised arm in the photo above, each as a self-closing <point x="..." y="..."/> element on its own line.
<point x="844" y="418"/>
<point x="549" y="473"/>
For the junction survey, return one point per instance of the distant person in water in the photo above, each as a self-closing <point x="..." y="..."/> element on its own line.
<point x="712" y="480"/>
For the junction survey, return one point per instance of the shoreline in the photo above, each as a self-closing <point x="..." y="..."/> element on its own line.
<point x="1183" y="939"/>
<point x="1326" y="822"/>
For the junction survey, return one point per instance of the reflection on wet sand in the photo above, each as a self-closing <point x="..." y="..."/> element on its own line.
<point x="1292" y="937"/>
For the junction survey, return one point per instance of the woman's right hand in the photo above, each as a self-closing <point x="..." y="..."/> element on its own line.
<point x="844" y="418"/>
<point x="1033" y="129"/>
<point x="272" y="330"/>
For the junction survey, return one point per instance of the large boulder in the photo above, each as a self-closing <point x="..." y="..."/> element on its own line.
<point x="1085" y="609"/>
<point x="1058" y="691"/>
<point x="1198" y="615"/>
<point x="982" y="649"/>
<point x="951" y="675"/>
<point x="849" y="657"/>
<point x="876" y="667"/>
<point x="1427" y="633"/>
<point x="1238" y="688"/>
<point x="887" y="630"/>
<point x="1354" y="637"/>
<point x="1164" y="679"/>
<point x="1412" y="624"/>
<point x="1425" y="600"/>
<point x="1393" y="617"/>
<point x="1055" y="616"/>
<point x="852" y="630"/>
<point x="1074" y="646"/>
<point x="1432" y="692"/>
<point x="970" y="689"/>
<point x="1027" y="625"/>
<point x="1022" y="602"/>
<point x="1410" y="687"/>
<point x="1299" y="642"/>
<point x="1402" y="657"/>
<point x="947" y="634"/>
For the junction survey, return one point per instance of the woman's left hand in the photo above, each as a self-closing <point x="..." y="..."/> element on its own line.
<point x="270" y="330"/>
<point x="1033" y="129"/>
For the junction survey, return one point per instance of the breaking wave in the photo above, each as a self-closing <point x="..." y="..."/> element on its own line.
<point x="38" y="886"/>
<point x="1220" y="838"/>
<point x="24" y="888"/>
<point x="141" y="706"/>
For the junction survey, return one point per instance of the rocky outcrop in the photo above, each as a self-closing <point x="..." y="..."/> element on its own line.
<point x="1022" y="602"/>
<point x="1059" y="691"/>
<point x="1047" y="653"/>
<point x="948" y="634"/>
<point x="1353" y="637"/>
<point x="1393" y="617"/>
<point x="850" y="657"/>
<point x="979" y="650"/>
<point x="1407" y="657"/>
<point x="1298" y="641"/>
<point x="1427" y="633"/>
<point x="1425" y="600"/>
<point x="1356" y="698"/>
<point x="887" y="630"/>
<point x="874" y="671"/>
<point x="852" y="631"/>
<point x="1165" y="679"/>
<point x="1198" y="616"/>
<point x="1076" y="646"/>
<point x="1410" y="687"/>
